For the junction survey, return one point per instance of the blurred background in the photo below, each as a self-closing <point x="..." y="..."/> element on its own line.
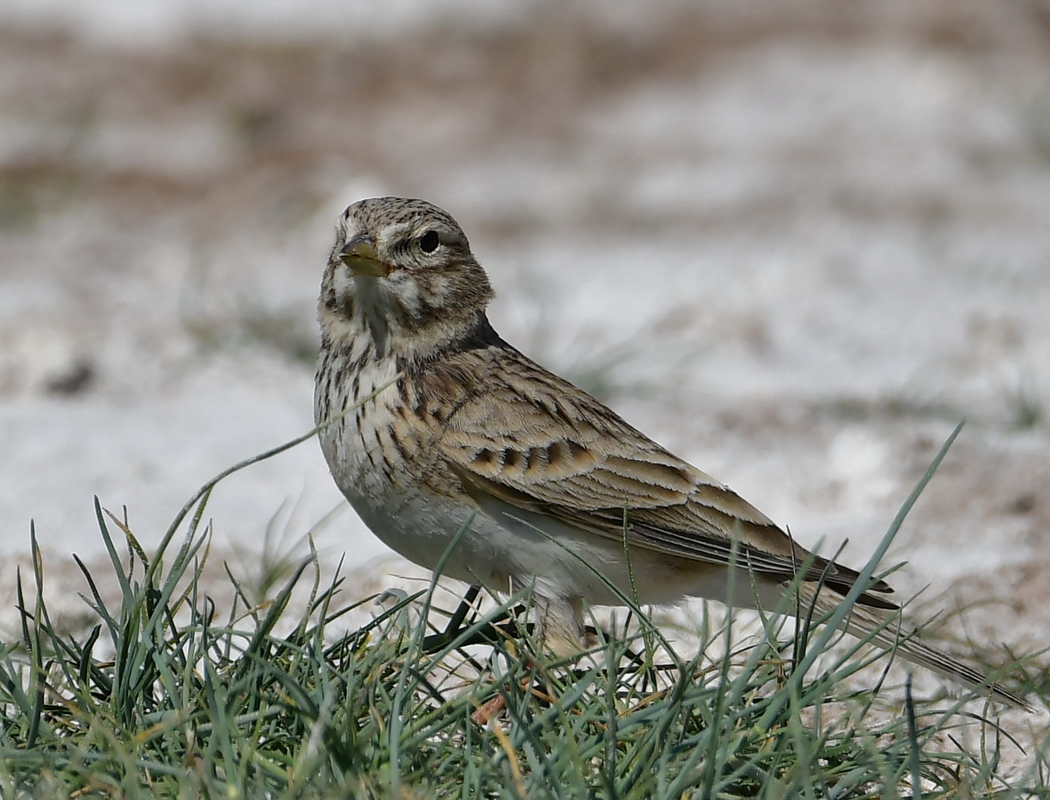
<point x="795" y="242"/>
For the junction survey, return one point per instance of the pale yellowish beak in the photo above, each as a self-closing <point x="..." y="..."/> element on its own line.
<point x="361" y="256"/>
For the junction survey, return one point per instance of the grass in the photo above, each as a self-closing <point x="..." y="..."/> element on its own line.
<point x="169" y="696"/>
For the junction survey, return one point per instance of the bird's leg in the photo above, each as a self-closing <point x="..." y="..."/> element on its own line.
<point x="455" y="623"/>
<point x="560" y="631"/>
<point x="560" y="626"/>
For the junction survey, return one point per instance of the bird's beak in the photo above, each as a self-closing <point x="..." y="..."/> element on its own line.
<point x="360" y="255"/>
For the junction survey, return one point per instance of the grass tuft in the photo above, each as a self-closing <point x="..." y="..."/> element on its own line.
<point x="170" y="696"/>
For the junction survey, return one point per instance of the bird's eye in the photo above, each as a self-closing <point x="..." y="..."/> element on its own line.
<point x="429" y="241"/>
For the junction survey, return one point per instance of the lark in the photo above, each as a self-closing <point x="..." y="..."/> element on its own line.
<point x="440" y="433"/>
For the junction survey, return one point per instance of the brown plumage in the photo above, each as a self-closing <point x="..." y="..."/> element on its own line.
<point x="452" y="427"/>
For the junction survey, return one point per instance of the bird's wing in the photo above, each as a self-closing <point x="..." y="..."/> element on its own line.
<point x="539" y="443"/>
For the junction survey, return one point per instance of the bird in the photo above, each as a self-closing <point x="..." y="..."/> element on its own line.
<point x="459" y="451"/>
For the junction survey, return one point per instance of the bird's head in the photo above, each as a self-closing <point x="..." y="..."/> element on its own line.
<point x="401" y="272"/>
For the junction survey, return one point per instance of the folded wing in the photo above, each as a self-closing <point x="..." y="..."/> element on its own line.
<point x="537" y="443"/>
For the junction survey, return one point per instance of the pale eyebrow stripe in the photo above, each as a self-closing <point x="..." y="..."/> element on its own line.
<point x="396" y="231"/>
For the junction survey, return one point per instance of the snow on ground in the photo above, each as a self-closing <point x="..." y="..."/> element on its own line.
<point x="796" y="246"/>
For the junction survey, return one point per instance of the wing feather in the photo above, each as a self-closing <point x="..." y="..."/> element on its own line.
<point x="540" y="444"/>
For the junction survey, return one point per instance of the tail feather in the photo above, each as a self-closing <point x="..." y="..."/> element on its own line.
<point x="884" y="629"/>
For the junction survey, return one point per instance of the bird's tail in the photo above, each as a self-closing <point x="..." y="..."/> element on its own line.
<point x="883" y="628"/>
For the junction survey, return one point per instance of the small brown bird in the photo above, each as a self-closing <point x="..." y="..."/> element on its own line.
<point x="436" y="424"/>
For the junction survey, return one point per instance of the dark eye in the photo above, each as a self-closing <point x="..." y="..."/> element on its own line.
<point x="429" y="241"/>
